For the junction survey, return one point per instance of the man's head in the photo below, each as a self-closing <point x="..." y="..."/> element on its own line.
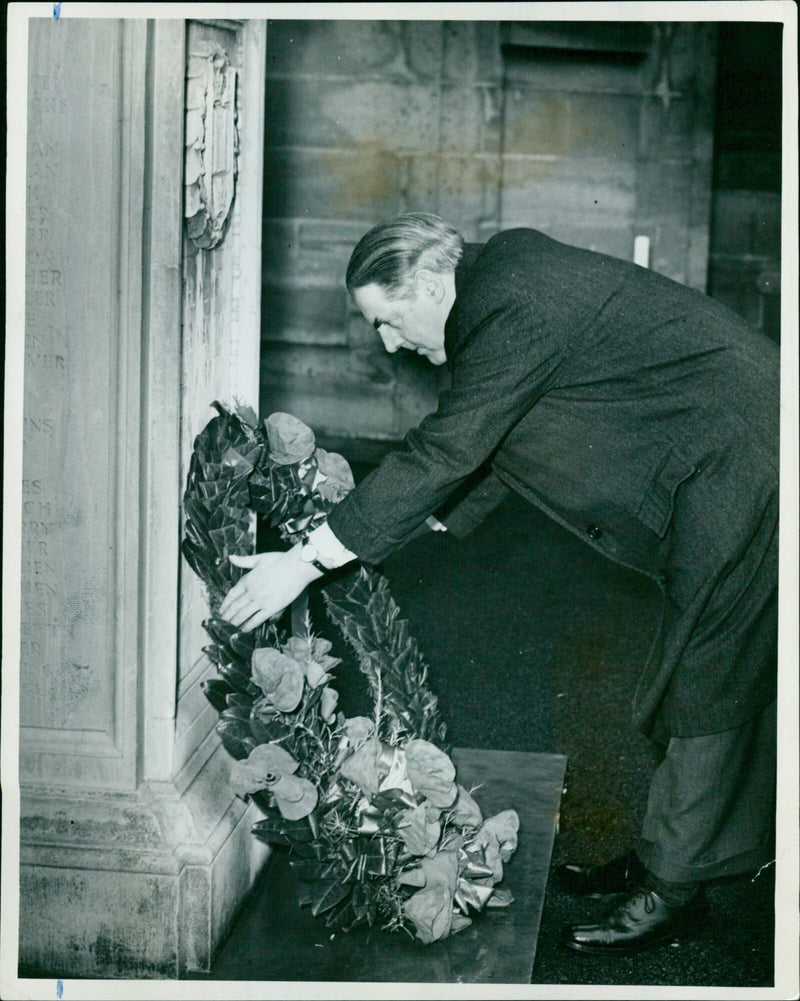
<point x="402" y="278"/>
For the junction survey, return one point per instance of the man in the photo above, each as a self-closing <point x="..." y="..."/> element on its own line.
<point x="643" y="417"/>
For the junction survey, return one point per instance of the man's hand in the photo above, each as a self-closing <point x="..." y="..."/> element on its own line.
<point x="274" y="581"/>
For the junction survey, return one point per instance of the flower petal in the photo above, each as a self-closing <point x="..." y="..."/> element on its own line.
<point x="273" y="758"/>
<point x="338" y="480"/>
<point x="320" y="647"/>
<point x="290" y="440"/>
<point x="279" y="677"/>
<point x="459" y="923"/>
<point x="296" y="797"/>
<point x="504" y="826"/>
<point x="298" y="647"/>
<point x="328" y="704"/>
<point x="431" y="912"/>
<point x="466" y="811"/>
<point x="431" y="909"/>
<point x="315" y="675"/>
<point x="397" y="776"/>
<point x="419" y="829"/>
<point x="501" y="897"/>
<point x="245" y="779"/>
<point x="412" y="877"/>
<point x="261" y="769"/>
<point x="358" y="728"/>
<point x="361" y="767"/>
<point x="431" y="772"/>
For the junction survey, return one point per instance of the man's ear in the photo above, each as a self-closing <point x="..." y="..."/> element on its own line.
<point x="431" y="284"/>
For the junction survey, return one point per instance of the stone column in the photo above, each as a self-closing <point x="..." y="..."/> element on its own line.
<point x="134" y="854"/>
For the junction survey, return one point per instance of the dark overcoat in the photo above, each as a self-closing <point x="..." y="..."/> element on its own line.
<point x="640" y="414"/>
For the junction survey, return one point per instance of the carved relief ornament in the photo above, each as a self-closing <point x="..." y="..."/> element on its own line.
<point x="212" y="144"/>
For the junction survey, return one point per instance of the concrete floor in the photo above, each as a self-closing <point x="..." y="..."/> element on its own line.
<point x="534" y="643"/>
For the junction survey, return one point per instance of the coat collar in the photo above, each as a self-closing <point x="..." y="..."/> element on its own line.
<point x="464" y="266"/>
<point x="462" y="277"/>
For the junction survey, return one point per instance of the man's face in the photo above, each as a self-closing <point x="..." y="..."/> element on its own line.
<point x="416" y="323"/>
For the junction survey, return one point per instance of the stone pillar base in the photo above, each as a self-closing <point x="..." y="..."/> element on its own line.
<point x="138" y="885"/>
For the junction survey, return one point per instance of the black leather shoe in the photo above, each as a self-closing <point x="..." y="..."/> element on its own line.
<point x="640" y="921"/>
<point x="617" y="876"/>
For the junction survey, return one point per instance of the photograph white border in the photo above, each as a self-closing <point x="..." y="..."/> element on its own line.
<point x="787" y="881"/>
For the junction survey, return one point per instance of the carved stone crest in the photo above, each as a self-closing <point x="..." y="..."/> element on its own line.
<point x="212" y="144"/>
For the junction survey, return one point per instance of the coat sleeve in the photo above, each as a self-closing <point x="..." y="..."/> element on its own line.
<point x="472" y="502"/>
<point x="505" y="361"/>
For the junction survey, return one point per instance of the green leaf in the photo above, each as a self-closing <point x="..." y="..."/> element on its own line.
<point x="305" y="894"/>
<point x="219" y="630"/>
<point x="307" y="869"/>
<point x="369" y="619"/>
<point x="239" y="699"/>
<point x="404" y="660"/>
<point x="326" y="894"/>
<point x="236" y="678"/>
<point x="270" y="838"/>
<point x="296" y="831"/>
<point x="344" y="916"/>
<point x="267" y="728"/>
<point x="195" y="557"/>
<point x="236" y="738"/>
<point x="242" y="644"/>
<point x="237" y="713"/>
<point x="216" y="690"/>
<point x="311" y="849"/>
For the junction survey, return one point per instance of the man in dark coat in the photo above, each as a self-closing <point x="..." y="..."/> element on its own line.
<point x="642" y="416"/>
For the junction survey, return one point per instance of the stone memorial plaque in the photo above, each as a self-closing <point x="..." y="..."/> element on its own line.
<point x="79" y="432"/>
<point x="277" y="940"/>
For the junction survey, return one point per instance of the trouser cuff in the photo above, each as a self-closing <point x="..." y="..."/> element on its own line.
<point x="665" y="867"/>
<point x="674" y="893"/>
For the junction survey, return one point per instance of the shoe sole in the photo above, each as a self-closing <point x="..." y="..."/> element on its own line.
<point x="678" y="937"/>
<point x="616" y="950"/>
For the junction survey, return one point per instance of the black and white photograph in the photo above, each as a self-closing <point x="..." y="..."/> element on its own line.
<point x="400" y="501"/>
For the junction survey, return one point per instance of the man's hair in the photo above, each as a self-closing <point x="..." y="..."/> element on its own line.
<point x="391" y="252"/>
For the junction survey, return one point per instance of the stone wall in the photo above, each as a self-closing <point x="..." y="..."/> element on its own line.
<point x="592" y="132"/>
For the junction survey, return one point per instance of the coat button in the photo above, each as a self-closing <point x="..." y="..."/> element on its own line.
<point x="594" y="531"/>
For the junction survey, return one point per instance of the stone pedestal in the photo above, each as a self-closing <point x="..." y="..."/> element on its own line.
<point x="134" y="853"/>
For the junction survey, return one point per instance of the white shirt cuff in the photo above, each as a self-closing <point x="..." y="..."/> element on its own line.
<point x="331" y="552"/>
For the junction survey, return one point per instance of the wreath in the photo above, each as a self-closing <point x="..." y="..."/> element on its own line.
<point x="368" y="807"/>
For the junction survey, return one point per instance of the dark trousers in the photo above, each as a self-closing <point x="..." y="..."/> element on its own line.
<point x="711" y="806"/>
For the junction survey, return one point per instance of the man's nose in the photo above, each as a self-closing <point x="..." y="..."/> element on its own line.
<point x="390" y="340"/>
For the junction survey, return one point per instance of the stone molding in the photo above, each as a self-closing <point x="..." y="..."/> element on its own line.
<point x="156" y="828"/>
